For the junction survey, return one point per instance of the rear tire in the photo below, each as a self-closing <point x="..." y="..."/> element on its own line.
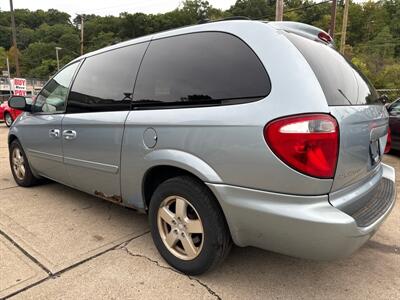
<point x="20" y="168"/>
<point x="8" y="119"/>
<point x="200" y="240"/>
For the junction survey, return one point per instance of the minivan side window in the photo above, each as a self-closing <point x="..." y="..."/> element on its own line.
<point x="105" y="81"/>
<point x="52" y="97"/>
<point x="206" y="68"/>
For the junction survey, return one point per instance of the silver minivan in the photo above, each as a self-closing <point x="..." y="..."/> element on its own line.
<point x="232" y="131"/>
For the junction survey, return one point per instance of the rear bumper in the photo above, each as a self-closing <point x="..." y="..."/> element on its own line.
<point x="302" y="226"/>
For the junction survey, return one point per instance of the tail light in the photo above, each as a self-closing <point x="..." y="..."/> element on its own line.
<point x="388" y="146"/>
<point x="307" y="143"/>
<point x="325" y="37"/>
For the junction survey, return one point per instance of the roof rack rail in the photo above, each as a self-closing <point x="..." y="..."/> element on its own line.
<point x="234" y="18"/>
<point x="224" y="19"/>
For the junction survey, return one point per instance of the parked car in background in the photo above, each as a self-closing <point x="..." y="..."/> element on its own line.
<point x="8" y="114"/>
<point x="394" y="123"/>
<point x="227" y="131"/>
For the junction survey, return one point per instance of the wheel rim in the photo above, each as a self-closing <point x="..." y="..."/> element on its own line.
<point x="8" y="119"/>
<point x="180" y="228"/>
<point x="18" y="164"/>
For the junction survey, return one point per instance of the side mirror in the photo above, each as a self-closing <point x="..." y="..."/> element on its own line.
<point x="19" y="102"/>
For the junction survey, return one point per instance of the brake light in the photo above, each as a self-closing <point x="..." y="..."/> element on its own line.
<point x="388" y="146"/>
<point x="307" y="143"/>
<point x="324" y="37"/>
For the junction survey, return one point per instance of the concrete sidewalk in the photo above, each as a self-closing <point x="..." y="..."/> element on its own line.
<point x="59" y="243"/>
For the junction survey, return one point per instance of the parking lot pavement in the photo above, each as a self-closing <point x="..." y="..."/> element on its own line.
<point x="56" y="242"/>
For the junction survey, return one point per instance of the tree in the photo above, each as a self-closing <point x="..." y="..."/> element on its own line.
<point x="102" y="39"/>
<point x="3" y="58"/>
<point x="390" y="76"/>
<point x="35" y="55"/>
<point x="373" y="42"/>
<point x="254" y="9"/>
<point x="11" y="57"/>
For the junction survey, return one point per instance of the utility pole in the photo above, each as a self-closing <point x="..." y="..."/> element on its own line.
<point x="9" y="76"/>
<point x="14" y="38"/>
<point x="279" y="10"/>
<point x="81" y="34"/>
<point x="344" y="26"/>
<point x="58" y="61"/>
<point x="333" y="19"/>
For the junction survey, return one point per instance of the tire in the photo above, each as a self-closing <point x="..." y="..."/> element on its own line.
<point x="8" y="120"/>
<point x="26" y="179"/>
<point x="211" y="246"/>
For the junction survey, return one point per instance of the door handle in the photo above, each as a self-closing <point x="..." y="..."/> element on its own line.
<point x="69" y="134"/>
<point x="54" y="133"/>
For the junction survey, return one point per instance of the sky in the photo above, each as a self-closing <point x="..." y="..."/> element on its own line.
<point x="106" y="7"/>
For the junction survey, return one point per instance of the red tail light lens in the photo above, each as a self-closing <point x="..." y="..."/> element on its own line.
<point x="388" y="146"/>
<point x="325" y="37"/>
<point x="307" y="143"/>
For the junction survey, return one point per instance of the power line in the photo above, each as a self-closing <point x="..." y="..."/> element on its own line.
<point x="307" y="6"/>
<point x="295" y="9"/>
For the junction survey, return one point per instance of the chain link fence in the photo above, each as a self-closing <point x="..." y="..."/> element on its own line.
<point x="392" y="94"/>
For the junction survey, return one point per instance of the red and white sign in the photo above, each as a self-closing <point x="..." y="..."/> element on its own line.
<point x="19" y="86"/>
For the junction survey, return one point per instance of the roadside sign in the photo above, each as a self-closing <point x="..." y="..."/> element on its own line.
<point x="19" y="86"/>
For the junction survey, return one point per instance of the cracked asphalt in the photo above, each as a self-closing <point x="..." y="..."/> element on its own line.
<point x="59" y="243"/>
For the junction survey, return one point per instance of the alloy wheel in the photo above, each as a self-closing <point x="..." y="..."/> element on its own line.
<point x="18" y="164"/>
<point x="180" y="227"/>
<point x="8" y="119"/>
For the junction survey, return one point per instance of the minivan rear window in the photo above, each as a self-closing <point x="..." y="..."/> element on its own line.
<point x="341" y="81"/>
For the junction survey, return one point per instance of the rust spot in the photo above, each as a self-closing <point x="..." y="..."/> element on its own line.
<point x="112" y="198"/>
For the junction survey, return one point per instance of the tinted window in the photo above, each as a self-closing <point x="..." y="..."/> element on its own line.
<point x="52" y="97"/>
<point x="200" y="68"/>
<point x="341" y="81"/>
<point x="394" y="109"/>
<point x="105" y="81"/>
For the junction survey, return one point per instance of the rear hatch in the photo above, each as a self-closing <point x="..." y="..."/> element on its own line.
<point x="362" y="118"/>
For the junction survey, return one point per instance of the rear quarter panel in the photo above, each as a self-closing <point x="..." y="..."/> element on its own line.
<point x="229" y="139"/>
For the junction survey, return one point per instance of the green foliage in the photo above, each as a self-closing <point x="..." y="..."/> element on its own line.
<point x="390" y="76"/>
<point x="3" y="58"/>
<point x="373" y="33"/>
<point x="254" y="9"/>
<point x="36" y="57"/>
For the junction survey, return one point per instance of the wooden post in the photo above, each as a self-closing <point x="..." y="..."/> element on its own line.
<point x="81" y="34"/>
<point x="279" y="10"/>
<point x="344" y="26"/>
<point x="333" y="19"/>
<point x="14" y="38"/>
